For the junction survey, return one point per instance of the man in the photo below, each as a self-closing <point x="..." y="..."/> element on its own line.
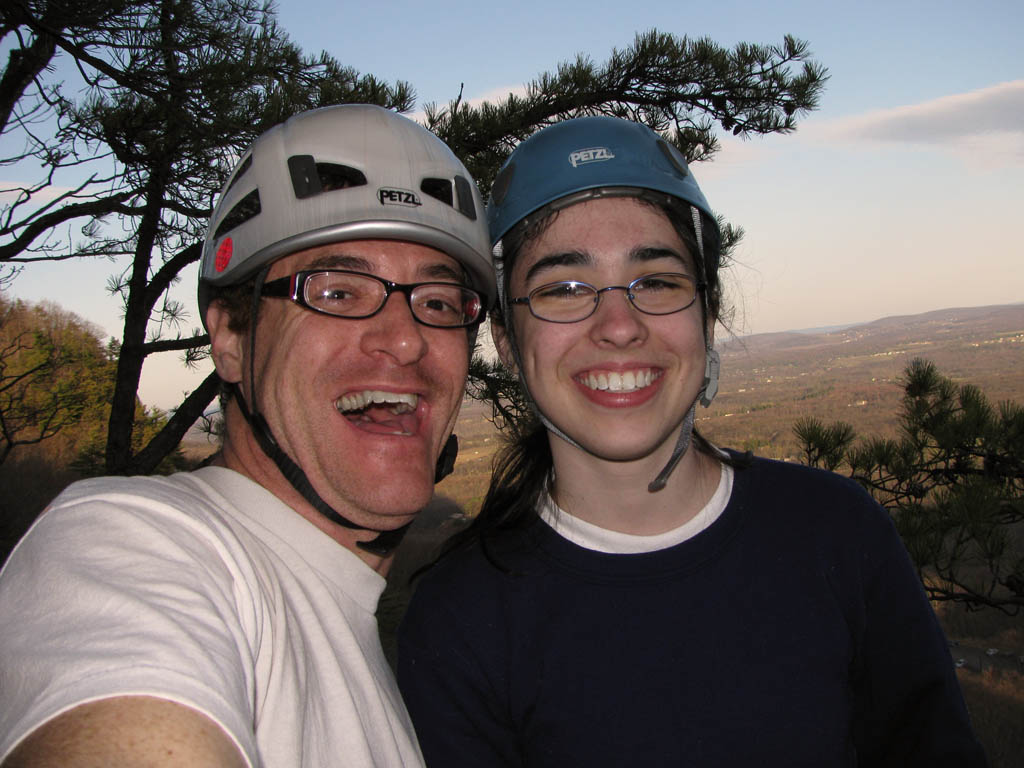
<point x="226" y="616"/>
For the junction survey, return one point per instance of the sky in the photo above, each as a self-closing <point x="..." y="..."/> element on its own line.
<point x="897" y="196"/>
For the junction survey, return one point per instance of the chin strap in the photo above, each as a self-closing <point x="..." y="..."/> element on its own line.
<point x="710" y="388"/>
<point x="712" y="366"/>
<point x="446" y="461"/>
<point x="386" y="541"/>
<point x="682" y="444"/>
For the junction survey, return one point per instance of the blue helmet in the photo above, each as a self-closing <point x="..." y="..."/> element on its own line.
<point x="588" y="157"/>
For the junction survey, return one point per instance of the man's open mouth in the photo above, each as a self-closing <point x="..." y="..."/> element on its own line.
<point x="373" y="410"/>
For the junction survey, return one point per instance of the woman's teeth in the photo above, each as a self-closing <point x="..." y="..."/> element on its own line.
<point x="619" y="381"/>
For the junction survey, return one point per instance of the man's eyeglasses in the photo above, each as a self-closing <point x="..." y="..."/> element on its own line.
<point x="570" y="301"/>
<point x="354" y="295"/>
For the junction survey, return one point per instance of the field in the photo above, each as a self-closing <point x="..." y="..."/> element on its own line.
<point x="769" y="381"/>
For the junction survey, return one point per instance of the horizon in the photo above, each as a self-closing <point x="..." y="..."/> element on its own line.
<point x="856" y="324"/>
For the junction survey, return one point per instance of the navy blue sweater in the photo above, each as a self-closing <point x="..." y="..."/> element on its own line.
<point x="792" y="632"/>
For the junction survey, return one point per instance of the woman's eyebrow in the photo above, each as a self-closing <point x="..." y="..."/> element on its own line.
<point x="654" y="253"/>
<point x="561" y="259"/>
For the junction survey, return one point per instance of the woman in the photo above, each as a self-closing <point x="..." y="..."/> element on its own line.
<point x="629" y="594"/>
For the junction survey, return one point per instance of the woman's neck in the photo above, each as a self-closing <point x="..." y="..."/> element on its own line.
<point x="614" y="495"/>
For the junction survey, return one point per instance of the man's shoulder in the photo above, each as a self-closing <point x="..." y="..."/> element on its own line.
<point x="140" y="511"/>
<point x="114" y="487"/>
<point x="140" y="485"/>
<point x="209" y="488"/>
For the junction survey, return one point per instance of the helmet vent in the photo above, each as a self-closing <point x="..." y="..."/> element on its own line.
<point x="439" y="189"/>
<point x="305" y="180"/>
<point x="674" y="157"/>
<point x="502" y="182"/>
<point x="465" y="195"/>
<point x="333" y="176"/>
<point x="242" y="168"/>
<point x="460" y="198"/>
<point x="246" y="208"/>
<point x="310" y="178"/>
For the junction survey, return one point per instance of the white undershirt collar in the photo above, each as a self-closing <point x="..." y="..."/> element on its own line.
<point x="599" y="539"/>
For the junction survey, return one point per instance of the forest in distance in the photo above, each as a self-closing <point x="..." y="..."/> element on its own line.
<point x="769" y="381"/>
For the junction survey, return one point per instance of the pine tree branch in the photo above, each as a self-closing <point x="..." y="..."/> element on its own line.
<point x="168" y="438"/>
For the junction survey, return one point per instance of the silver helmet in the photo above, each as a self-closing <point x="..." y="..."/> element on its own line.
<point x="348" y="172"/>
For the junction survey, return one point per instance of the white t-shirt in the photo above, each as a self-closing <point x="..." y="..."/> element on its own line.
<point x="202" y="588"/>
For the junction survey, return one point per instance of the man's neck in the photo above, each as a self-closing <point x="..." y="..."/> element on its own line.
<point x="241" y="453"/>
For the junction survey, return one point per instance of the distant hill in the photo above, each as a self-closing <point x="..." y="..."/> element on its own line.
<point x="852" y="374"/>
<point x="941" y="323"/>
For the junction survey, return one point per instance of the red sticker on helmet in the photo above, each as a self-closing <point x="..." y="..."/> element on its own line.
<point x="224" y="255"/>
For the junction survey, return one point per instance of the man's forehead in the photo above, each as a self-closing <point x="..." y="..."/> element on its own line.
<point x="373" y="255"/>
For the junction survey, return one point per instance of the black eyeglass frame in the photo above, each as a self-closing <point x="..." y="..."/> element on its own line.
<point x="698" y="286"/>
<point x="292" y="287"/>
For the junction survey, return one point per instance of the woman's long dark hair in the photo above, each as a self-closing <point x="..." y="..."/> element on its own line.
<point x="522" y="469"/>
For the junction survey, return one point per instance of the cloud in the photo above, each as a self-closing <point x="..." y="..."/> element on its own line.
<point x="986" y="125"/>
<point x="11" y="191"/>
<point x="498" y="94"/>
<point x="739" y="156"/>
<point x="494" y="95"/>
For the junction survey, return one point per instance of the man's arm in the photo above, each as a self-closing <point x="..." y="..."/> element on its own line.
<point x="140" y="731"/>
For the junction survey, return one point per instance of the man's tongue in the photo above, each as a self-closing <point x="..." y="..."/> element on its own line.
<point x="382" y="420"/>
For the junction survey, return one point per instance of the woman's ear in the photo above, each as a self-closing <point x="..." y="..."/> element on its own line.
<point x="226" y="345"/>
<point x="502" y="343"/>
